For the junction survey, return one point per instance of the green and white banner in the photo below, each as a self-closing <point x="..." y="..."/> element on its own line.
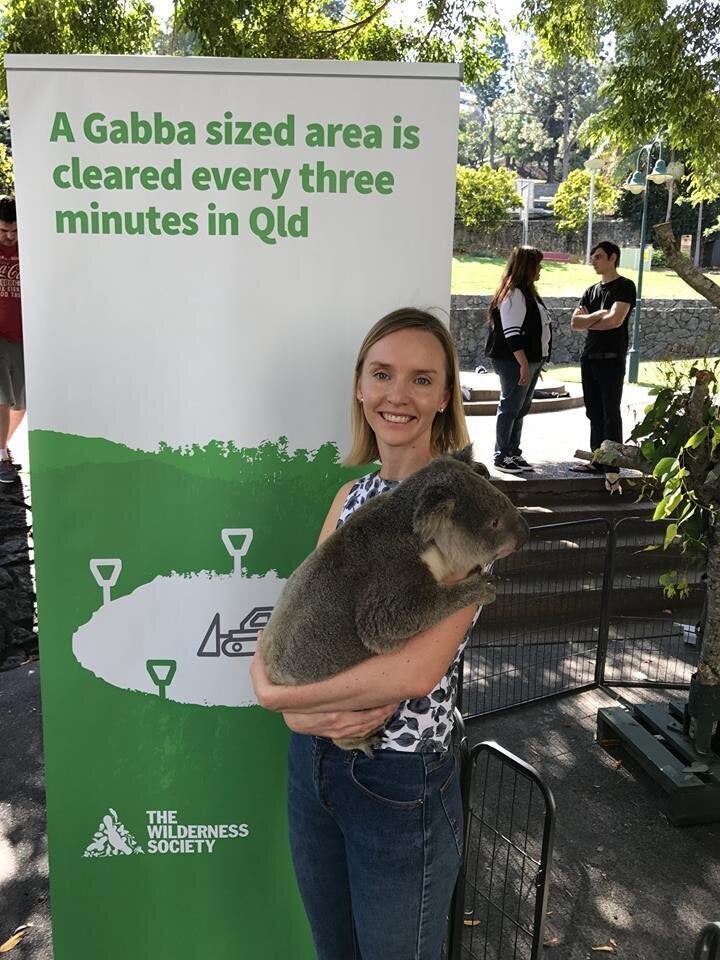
<point x="204" y="243"/>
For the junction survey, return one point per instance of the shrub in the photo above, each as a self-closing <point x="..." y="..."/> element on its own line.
<point x="572" y="200"/>
<point x="485" y="197"/>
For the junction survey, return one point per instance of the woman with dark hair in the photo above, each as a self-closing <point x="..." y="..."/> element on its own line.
<point x="518" y="344"/>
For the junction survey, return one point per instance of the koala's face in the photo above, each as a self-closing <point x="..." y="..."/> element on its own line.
<point x="472" y="522"/>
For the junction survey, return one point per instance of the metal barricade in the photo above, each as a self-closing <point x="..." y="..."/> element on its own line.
<point x="542" y="634"/>
<point x="501" y="898"/>
<point x="652" y="639"/>
<point x="708" y="943"/>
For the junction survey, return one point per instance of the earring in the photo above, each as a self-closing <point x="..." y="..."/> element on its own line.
<point x="441" y="410"/>
<point x="361" y="399"/>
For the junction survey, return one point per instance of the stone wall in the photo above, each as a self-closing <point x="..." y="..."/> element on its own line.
<point x="669" y="329"/>
<point x="542" y="234"/>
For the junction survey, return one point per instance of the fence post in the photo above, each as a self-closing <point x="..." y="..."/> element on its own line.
<point x="708" y="943"/>
<point x="604" y="622"/>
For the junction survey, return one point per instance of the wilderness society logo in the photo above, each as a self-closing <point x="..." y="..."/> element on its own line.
<point x="164" y="835"/>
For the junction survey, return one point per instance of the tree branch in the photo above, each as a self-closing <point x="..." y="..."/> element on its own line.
<point x="681" y="265"/>
<point x="357" y="24"/>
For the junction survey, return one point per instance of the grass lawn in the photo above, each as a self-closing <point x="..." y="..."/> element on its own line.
<point x="481" y="275"/>
<point x="652" y="372"/>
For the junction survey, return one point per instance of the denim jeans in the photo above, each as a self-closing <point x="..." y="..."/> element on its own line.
<point x="376" y="843"/>
<point x="602" y="383"/>
<point x="515" y="400"/>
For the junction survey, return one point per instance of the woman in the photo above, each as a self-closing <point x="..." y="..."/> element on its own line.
<point x="377" y="842"/>
<point x="518" y="344"/>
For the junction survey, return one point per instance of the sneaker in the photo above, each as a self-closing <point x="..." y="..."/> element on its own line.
<point x="8" y="472"/>
<point x="523" y="464"/>
<point x="507" y="465"/>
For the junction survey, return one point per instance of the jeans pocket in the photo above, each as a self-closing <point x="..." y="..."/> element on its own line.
<point x="451" y="800"/>
<point x="395" y="781"/>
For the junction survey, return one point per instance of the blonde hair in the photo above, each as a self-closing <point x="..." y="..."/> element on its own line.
<point x="449" y="430"/>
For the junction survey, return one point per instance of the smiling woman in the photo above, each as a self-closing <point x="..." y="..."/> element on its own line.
<point x="379" y="870"/>
<point x="406" y="375"/>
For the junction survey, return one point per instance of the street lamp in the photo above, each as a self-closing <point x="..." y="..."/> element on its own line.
<point x="637" y="183"/>
<point x="593" y="164"/>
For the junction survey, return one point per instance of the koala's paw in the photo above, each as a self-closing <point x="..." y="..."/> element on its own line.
<point x="365" y="744"/>
<point x="487" y="592"/>
<point x="483" y="590"/>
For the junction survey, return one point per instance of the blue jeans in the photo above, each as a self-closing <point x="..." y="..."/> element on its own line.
<point x="515" y="400"/>
<point x="376" y="844"/>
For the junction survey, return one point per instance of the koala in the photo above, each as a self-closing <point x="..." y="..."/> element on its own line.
<point x="377" y="580"/>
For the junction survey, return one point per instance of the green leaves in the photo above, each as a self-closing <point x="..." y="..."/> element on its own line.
<point x="572" y="200"/>
<point x="697" y="438"/>
<point x="485" y="196"/>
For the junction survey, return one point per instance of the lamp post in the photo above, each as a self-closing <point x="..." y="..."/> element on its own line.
<point x="638" y="183"/>
<point x="593" y="164"/>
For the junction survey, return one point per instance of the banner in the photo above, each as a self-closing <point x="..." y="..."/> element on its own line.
<point x="204" y="244"/>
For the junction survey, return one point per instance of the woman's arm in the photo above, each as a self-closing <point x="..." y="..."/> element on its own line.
<point x="340" y="724"/>
<point x="412" y="671"/>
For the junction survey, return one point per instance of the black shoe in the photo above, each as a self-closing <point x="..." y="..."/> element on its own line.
<point x="523" y="464"/>
<point x="8" y="472"/>
<point x="507" y="465"/>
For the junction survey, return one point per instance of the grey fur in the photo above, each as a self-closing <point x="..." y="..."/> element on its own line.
<point x="367" y="589"/>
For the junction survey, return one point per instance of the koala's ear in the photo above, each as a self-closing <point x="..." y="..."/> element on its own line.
<point x="434" y="508"/>
<point x="482" y="470"/>
<point x="465" y="455"/>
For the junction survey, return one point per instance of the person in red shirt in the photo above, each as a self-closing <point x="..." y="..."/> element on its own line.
<point x="12" y="365"/>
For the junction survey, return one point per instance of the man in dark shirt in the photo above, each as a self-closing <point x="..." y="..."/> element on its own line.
<point x="604" y="313"/>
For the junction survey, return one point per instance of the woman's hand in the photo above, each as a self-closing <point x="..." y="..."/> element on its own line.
<point x="524" y="373"/>
<point x="265" y="691"/>
<point x="340" y="724"/>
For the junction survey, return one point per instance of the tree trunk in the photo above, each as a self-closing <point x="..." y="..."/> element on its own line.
<point x="709" y="667"/>
<point x="683" y="267"/>
<point x="566" y="127"/>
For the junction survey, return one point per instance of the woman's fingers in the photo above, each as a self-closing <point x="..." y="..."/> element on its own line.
<point x="340" y="724"/>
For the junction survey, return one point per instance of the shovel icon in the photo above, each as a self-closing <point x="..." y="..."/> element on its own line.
<point x="161" y="673"/>
<point x="103" y="578"/>
<point x="239" y="551"/>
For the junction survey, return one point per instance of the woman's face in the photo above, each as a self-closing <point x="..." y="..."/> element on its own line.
<point x="402" y="386"/>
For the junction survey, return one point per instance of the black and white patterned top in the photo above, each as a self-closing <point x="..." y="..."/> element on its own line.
<point x="423" y="725"/>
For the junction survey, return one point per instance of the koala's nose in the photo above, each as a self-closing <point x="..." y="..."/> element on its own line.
<point x="522" y="532"/>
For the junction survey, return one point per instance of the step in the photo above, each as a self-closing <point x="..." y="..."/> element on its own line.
<point x="552" y="510"/>
<point x="526" y="606"/>
<point x="556" y="478"/>
<point x="488" y="407"/>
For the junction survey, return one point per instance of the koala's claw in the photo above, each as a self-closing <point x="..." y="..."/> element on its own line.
<point x="365" y="744"/>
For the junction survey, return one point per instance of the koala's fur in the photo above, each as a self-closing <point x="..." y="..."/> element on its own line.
<point x="375" y="582"/>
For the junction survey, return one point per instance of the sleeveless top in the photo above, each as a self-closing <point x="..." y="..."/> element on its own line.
<point x="425" y="724"/>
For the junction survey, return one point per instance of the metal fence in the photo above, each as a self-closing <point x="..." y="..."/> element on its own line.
<point x="708" y="943"/>
<point x="501" y="898"/>
<point x="583" y="605"/>
<point x="653" y="639"/>
<point x="540" y="636"/>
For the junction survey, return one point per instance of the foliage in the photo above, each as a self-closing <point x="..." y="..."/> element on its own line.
<point x="472" y="145"/>
<point x="540" y="116"/>
<point x="679" y="442"/>
<point x="76" y="26"/>
<point x="7" y="178"/>
<point x="485" y="197"/>
<point x="665" y="77"/>
<point x="572" y="200"/>
<point x="443" y="31"/>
